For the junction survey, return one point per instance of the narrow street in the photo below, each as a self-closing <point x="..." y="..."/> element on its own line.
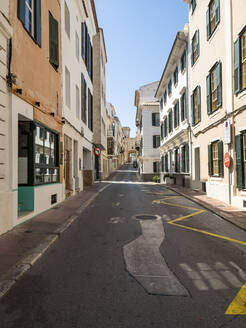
<point x="139" y="256"/>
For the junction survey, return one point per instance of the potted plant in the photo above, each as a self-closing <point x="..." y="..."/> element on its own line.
<point x="156" y="178"/>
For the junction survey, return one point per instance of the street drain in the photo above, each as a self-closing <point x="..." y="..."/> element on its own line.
<point x="146" y="217"/>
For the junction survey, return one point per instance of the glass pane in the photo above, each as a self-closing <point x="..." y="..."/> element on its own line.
<point x="38" y="148"/>
<point x="38" y="174"/>
<point x="47" y="176"/>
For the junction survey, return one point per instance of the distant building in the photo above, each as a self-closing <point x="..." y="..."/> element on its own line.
<point x="148" y="124"/>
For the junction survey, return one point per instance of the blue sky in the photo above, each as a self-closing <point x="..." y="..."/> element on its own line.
<point x="139" y="35"/>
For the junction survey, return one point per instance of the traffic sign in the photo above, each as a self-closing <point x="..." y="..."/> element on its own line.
<point x="97" y="151"/>
<point x="227" y="160"/>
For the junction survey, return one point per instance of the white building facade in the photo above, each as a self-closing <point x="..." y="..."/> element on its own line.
<point x="172" y="93"/>
<point x="148" y="124"/>
<point x="78" y="27"/>
<point x="6" y="192"/>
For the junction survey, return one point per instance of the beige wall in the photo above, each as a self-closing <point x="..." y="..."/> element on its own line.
<point x="30" y="63"/>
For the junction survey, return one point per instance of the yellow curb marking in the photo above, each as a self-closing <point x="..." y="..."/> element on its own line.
<point x="162" y="200"/>
<point x="238" y="305"/>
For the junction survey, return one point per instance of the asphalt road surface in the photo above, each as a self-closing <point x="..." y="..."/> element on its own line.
<point x="139" y="256"/>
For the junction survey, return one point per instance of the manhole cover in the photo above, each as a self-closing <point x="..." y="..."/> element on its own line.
<point x="146" y="217"/>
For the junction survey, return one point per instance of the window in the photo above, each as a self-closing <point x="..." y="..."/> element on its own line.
<point x="77" y="103"/>
<point x="156" y="141"/>
<point x="195" y="48"/>
<point x="162" y="130"/>
<point x="77" y="45"/>
<point x="196" y="106"/>
<point x="176" y="115"/>
<point x="87" y="49"/>
<point x="165" y="127"/>
<point x="46" y="156"/>
<point x="90" y="110"/>
<point x="183" y="106"/>
<point x="156" y="167"/>
<point x="67" y="86"/>
<point x="67" y="20"/>
<point x="170" y="121"/>
<point x="241" y="160"/>
<point x="240" y="62"/>
<point x="216" y="159"/>
<point x="166" y="163"/>
<point x="169" y="87"/>
<point x="193" y="5"/>
<point x="175" y="76"/>
<point x="155" y="119"/>
<point x="213" y="17"/>
<point x="176" y="160"/>
<point x="29" y="13"/>
<point x="183" y="61"/>
<point x="162" y="163"/>
<point x="165" y="97"/>
<point x="83" y="99"/>
<point x="214" y="88"/>
<point x="54" y="41"/>
<point x="185" y="158"/>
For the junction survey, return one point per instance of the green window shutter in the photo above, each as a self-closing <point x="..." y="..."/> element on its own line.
<point x="187" y="169"/>
<point x="237" y="66"/>
<point x="217" y="12"/>
<point x="21" y="10"/>
<point x="165" y="127"/>
<point x="199" y="102"/>
<point x="192" y="109"/>
<point x="210" y="160"/>
<point x="157" y="119"/>
<point x="183" y="159"/>
<point x="209" y="107"/>
<point x="153" y="119"/>
<point x="219" y="84"/>
<point x="192" y="55"/>
<point x="197" y="43"/>
<point x="221" y="158"/>
<point x="154" y="167"/>
<point x="239" y="162"/>
<point x="154" y="141"/>
<point x="37" y="30"/>
<point x="157" y="141"/>
<point x="208" y="24"/>
<point x="185" y="105"/>
<point x="54" y="45"/>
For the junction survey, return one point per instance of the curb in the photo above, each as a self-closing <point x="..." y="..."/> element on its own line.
<point x="24" y="265"/>
<point x="207" y="207"/>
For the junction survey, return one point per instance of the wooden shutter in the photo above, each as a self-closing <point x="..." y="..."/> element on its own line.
<point x="162" y="130"/>
<point x="182" y="107"/>
<point x="239" y="161"/>
<point x="86" y="45"/>
<point x="165" y="127"/>
<point x="199" y="102"/>
<point x="37" y="19"/>
<point x="208" y="23"/>
<point x="154" y="167"/>
<point x="210" y="160"/>
<point x="192" y="109"/>
<point x="83" y="40"/>
<point x="219" y="84"/>
<point x="192" y="54"/>
<point x="237" y="66"/>
<point x="221" y="158"/>
<point x="54" y="46"/>
<point x="183" y="159"/>
<point x="21" y="11"/>
<point x="209" y="104"/>
<point x="177" y="113"/>
<point x="217" y="12"/>
<point x="154" y="141"/>
<point x="187" y="157"/>
<point x="197" y="43"/>
<point x="157" y="141"/>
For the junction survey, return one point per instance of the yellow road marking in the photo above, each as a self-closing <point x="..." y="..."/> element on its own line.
<point x="209" y="233"/>
<point x="238" y="305"/>
<point x="198" y="211"/>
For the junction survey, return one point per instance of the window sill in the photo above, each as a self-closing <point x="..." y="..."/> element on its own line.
<point x="241" y="93"/>
<point x="215" y="178"/>
<point x="195" y="63"/>
<point x="195" y="126"/>
<point x="214" y="113"/>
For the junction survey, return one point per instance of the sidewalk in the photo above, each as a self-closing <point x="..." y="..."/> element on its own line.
<point x="21" y="247"/>
<point x="232" y="214"/>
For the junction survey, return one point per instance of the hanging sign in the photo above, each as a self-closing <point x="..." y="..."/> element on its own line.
<point x="97" y="151"/>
